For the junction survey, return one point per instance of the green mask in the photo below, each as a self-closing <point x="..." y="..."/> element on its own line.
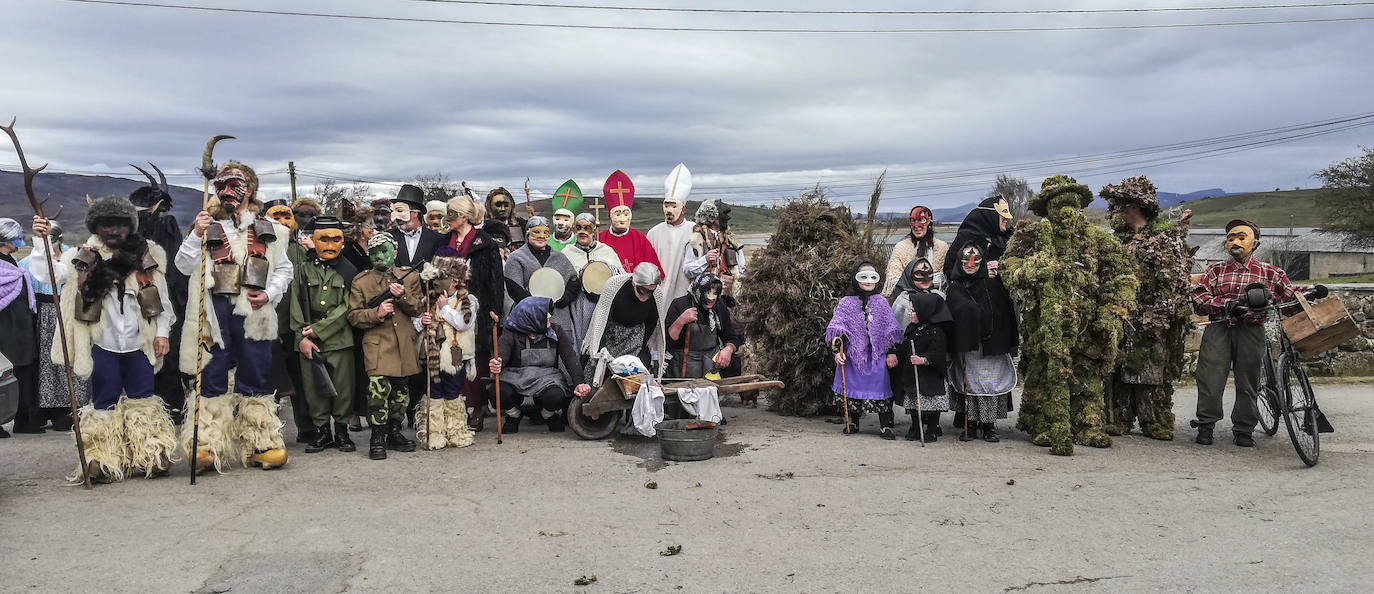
<point x="383" y="256"/>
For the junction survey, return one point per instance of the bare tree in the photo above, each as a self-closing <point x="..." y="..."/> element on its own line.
<point x="1017" y="192"/>
<point x="438" y="186"/>
<point x="331" y="195"/>
<point x="1348" y="206"/>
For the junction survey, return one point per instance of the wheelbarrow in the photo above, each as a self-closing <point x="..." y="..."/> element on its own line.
<point x="598" y="414"/>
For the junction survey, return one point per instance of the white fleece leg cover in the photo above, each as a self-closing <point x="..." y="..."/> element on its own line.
<point x="216" y="428"/>
<point x="258" y="427"/>
<point x="432" y="415"/>
<point x="102" y="434"/>
<point x="456" y="423"/>
<point x="149" y="438"/>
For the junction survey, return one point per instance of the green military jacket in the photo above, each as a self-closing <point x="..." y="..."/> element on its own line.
<point x="327" y="291"/>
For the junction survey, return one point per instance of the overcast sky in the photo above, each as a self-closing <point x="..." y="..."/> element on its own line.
<point x="98" y="86"/>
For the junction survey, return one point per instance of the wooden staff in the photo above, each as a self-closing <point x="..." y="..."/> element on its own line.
<point x="916" y="376"/>
<point x="500" y="414"/>
<point x="429" y="380"/>
<point x="837" y="345"/>
<point x="207" y="169"/>
<point x="29" y="174"/>
<point x="686" y="344"/>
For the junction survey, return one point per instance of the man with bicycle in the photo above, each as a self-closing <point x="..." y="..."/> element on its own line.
<point x="1234" y="338"/>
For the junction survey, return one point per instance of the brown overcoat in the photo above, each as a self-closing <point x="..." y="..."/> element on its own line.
<point x="388" y="343"/>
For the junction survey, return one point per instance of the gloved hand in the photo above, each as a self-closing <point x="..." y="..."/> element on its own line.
<point x="1235" y="308"/>
<point x="1318" y="292"/>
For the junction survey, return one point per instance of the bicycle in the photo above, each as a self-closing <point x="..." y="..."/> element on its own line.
<point x="1292" y="398"/>
<point x="1267" y="401"/>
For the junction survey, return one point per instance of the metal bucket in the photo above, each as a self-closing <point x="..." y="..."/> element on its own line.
<point x="681" y="445"/>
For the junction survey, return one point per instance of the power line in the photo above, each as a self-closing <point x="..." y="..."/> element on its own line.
<point x="715" y="29"/>
<point x="789" y="11"/>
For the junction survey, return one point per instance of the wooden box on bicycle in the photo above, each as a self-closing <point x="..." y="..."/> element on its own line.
<point x="1320" y="327"/>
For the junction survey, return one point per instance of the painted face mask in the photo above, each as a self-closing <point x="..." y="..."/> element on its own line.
<point x="1003" y="210"/>
<point x="500" y="207"/>
<point x="672" y="210"/>
<point x="620" y="218"/>
<point x="383" y="256"/>
<point x="867" y="278"/>
<point x="920" y="221"/>
<point x="971" y="259"/>
<point x="435" y="220"/>
<point x="538" y="236"/>
<point x="112" y="231"/>
<point x="586" y="232"/>
<point x="328" y="243"/>
<point x="923" y="276"/>
<point x="562" y="224"/>
<point x="400" y="213"/>
<point x="1240" y="242"/>
<point x="282" y="214"/>
<point x="231" y="188"/>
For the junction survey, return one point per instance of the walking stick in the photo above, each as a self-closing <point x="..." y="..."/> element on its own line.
<point x="29" y="174"/>
<point x="686" y="344"/>
<point x="963" y="372"/>
<point x="207" y="169"/>
<point x="837" y="345"/>
<point x="429" y="381"/>
<point x="500" y="414"/>
<point x="916" y="376"/>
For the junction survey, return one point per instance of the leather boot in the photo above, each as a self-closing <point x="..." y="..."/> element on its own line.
<point x="475" y="415"/>
<point x="557" y="423"/>
<point x="914" y="433"/>
<point x="376" y="445"/>
<point x="396" y="440"/>
<point x="341" y="438"/>
<point x="932" y="421"/>
<point x="1204" y="433"/>
<point x="885" y="424"/>
<point x="510" y="424"/>
<point x="990" y="433"/>
<point x="323" y="440"/>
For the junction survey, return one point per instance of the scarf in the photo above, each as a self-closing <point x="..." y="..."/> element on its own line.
<point x="701" y="285"/>
<point x="14" y="280"/>
<point x="868" y="331"/>
<point x="463" y="246"/>
<point x="531" y="317"/>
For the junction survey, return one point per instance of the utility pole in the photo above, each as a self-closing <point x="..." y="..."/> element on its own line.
<point x="291" y="166"/>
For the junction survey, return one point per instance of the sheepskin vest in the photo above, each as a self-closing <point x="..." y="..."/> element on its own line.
<point x="466" y="340"/>
<point x="258" y="324"/>
<point x="81" y="336"/>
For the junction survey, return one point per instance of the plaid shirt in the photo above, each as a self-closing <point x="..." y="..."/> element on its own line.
<point x="1226" y="280"/>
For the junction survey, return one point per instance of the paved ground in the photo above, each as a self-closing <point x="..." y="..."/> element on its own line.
<point x="790" y="505"/>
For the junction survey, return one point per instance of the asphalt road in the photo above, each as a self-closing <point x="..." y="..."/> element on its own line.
<point x="788" y="505"/>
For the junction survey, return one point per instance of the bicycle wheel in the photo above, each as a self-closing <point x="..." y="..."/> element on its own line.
<point x="1268" y="400"/>
<point x="1300" y="409"/>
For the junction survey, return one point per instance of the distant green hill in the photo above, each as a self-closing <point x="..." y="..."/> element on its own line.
<point x="1267" y="209"/>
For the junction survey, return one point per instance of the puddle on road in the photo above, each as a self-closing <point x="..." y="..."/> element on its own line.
<point x="647" y="450"/>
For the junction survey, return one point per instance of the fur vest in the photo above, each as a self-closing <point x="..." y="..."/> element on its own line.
<point x="465" y="340"/>
<point x="81" y="336"/>
<point x="258" y="324"/>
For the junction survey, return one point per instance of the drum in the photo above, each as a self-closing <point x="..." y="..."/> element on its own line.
<point x="547" y="282"/>
<point x="594" y="277"/>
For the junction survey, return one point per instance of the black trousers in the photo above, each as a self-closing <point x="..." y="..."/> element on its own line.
<point x="552" y="398"/>
<point x="30" y="414"/>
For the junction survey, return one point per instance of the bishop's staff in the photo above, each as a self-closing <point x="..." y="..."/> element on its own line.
<point x="207" y="168"/>
<point x="29" y="174"/>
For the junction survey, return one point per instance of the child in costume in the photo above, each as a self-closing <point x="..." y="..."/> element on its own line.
<point x="868" y="331"/>
<point x="923" y="356"/>
<point x="451" y="352"/>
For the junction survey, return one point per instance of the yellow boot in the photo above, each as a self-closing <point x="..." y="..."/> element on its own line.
<point x="215" y="448"/>
<point x="259" y="432"/>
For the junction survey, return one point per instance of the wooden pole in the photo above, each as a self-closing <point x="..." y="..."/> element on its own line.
<point x="29" y="174"/>
<point x="496" y="352"/>
<point x="291" y="167"/>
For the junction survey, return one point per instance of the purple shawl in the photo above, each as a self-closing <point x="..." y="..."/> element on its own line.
<point x="866" y="344"/>
<point x="12" y="281"/>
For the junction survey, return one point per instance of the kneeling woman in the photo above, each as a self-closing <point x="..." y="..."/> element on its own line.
<point x="536" y="359"/>
<point x="868" y="333"/>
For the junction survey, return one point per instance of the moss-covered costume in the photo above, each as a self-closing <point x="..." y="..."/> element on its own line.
<point x="1151" y="356"/>
<point x="1074" y="283"/>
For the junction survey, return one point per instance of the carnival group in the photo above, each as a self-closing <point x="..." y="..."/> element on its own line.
<point x="402" y="312"/>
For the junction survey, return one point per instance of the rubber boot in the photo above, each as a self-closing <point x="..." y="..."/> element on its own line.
<point x="376" y="445"/>
<point x="341" y="438"/>
<point x="990" y="433"/>
<point x="914" y="433"/>
<point x="396" y="440"/>
<point x="323" y="440"/>
<point x="885" y="424"/>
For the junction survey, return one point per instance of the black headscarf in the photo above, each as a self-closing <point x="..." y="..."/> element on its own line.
<point x="930" y="308"/>
<point x="854" y="289"/>
<point x="982" y="311"/>
<point x="979" y="228"/>
<point x="905" y="284"/>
